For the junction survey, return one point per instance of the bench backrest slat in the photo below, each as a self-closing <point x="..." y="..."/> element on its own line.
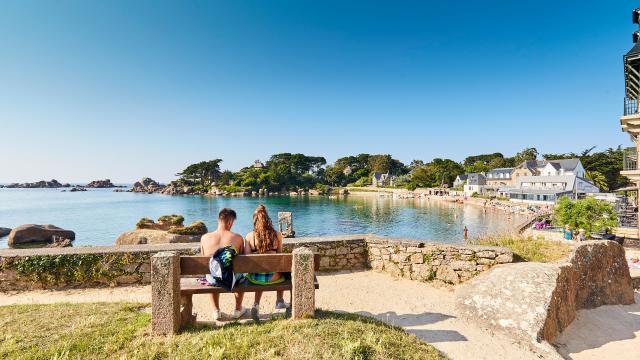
<point x="255" y="263"/>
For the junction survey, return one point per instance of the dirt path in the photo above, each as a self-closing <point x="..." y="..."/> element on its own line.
<point x="421" y="309"/>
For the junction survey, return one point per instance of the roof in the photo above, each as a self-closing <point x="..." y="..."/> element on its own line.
<point x="476" y="179"/>
<point x="507" y="171"/>
<point x="566" y="164"/>
<point x="463" y="177"/>
<point x="380" y="176"/>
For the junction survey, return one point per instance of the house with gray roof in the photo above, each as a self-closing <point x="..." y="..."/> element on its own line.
<point x="475" y="184"/>
<point x="460" y="180"/>
<point x="379" y="179"/>
<point x="548" y="188"/>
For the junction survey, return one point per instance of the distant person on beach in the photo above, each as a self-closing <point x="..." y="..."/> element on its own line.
<point x="466" y="233"/>
<point x="581" y="235"/>
<point x="222" y="237"/>
<point x="264" y="239"/>
<point x="568" y="232"/>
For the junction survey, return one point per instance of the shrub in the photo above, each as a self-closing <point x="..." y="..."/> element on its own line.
<point x="196" y="228"/>
<point x="588" y="213"/>
<point x="145" y="223"/>
<point x="174" y="220"/>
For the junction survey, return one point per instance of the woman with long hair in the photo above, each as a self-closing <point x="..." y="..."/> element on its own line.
<point x="264" y="239"/>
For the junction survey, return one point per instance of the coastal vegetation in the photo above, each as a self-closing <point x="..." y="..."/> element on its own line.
<point x="292" y="172"/>
<point x="120" y="330"/>
<point x="526" y="248"/>
<point x="589" y="214"/>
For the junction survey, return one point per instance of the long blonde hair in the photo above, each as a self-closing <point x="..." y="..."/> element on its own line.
<point x="264" y="235"/>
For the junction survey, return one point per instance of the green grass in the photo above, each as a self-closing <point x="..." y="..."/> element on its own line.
<point x="527" y="249"/>
<point x="122" y="331"/>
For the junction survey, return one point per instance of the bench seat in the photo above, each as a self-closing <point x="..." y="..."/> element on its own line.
<point x="192" y="289"/>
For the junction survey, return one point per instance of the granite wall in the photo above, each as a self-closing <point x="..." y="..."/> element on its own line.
<point x="430" y="261"/>
<point x="51" y="268"/>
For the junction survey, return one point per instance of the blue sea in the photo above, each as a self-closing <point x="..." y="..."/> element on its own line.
<point x="98" y="216"/>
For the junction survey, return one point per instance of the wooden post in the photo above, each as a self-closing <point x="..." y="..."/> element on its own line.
<point x="165" y="293"/>
<point x="303" y="289"/>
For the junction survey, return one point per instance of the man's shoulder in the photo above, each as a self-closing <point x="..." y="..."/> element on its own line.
<point x="210" y="236"/>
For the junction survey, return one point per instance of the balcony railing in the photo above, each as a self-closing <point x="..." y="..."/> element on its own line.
<point x="630" y="106"/>
<point x="630" y="159"/>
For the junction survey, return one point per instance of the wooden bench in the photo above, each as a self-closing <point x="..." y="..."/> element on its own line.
<point x="172" y="304"/>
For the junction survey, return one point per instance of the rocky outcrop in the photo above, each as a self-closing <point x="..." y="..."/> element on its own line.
<point x="60" y="243"/>
<point x="100" y="184"/>
<point x="31" y="233"/>
<point x="534" y="302"/>
<point x="165" y="223"/>
<point x="77" y="188"/>
<point x="196" y="228"/>
<point x="53" y="184"/>
<point x="147" y="185"/>
<point x="4" y="231"/>
<point x="146" y="236"/>
<point x="177" y="189"/>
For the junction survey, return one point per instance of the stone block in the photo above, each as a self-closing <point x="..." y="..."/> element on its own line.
<point x="399" y="257"/>
<point x="485" y="261"/>
<point x="486" y="254"/>
<point x="392" y="269"/>
<point x="504" y="258"/>
<point x="413" y="249"/>
<point x="416" y="258"/>
<point x="447" y="274"/>
<point x="302" y="279"/>
<point x="463" y="265"/>
<point x="165" y="293"/>
<point x="342" y="251"/>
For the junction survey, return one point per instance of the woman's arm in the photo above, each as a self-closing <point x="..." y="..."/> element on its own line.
<point x="247" y="244"/>
<point x="279" y="242"/>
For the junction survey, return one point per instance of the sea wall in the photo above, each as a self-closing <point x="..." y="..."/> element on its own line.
<point x="51" y="268"/>
<point x="430" y="261"/>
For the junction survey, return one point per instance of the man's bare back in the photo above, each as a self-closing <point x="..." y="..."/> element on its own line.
<point x="211" y="242"/>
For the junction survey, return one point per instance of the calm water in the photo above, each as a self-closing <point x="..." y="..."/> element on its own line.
<point x="99" y="216"/>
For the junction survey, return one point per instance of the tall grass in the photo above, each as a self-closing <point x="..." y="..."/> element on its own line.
<point x="527" y="248"/>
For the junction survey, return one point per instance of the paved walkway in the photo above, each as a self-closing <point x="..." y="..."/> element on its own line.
<point x="422" y="310"/>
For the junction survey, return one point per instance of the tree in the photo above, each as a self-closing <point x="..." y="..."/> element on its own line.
<point x="525" y="154"/>
<point x="436" y="173"/>
<point x="204" y="173"/>
<point x="598" y="180"/>
<point x="588" y="213"/>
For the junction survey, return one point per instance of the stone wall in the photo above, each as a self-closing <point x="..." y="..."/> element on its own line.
<point x="430" y="261"/>
<point x="50" y="268"/>
<point x="120" y="265"/>
<point x="347" y="252"/>
<point x="533" y="302"/>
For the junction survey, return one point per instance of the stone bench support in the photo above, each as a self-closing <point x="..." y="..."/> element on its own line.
<point x="165" y="293"/>
<point x="303" y="289"/>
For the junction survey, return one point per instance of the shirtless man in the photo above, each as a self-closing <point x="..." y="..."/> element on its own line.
<point x="211" y="242"/>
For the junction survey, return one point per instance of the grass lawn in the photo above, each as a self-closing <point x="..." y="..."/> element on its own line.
<point x="122" y="331"/>
<point x="527" y="249"/>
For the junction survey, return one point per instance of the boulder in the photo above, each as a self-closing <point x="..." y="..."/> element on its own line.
<point x="146" y="236"/>
<point x="100" y="184"/>
<point x="533" y="302"/>
<point x="77" y="188"/>
<point x="146" y="185"/>
<point x="4" y="231"/>
<point x="31" y="233"/>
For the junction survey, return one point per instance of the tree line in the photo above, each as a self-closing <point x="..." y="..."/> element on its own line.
<point x="287" y="171"/>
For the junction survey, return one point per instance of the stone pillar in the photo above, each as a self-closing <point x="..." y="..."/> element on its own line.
<point x="302" y="279"/>
<point x="165" y="293"/>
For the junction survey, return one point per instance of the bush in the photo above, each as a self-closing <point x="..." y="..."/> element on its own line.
<point x="145" y="223"/>
<point x="588" y="213"/>
<point x="196" y="228"/>
<point x="363" y="181"/>
<point x="174" y="220"/>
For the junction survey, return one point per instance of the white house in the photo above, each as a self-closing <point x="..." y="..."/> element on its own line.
<point x="475" y="184"/>
<point x="380" y="180"/>
<point x="460" y="180"/>
<point x="562" y="167"/>
<point x="548" y="188"/>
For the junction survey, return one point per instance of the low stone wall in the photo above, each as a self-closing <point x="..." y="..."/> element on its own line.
<point x="534" y="302"/>
<point x="50" y="268"/>
<point x="430" y="261"/>
<point x="120" y="265"/>
<point x="347" y="252"/>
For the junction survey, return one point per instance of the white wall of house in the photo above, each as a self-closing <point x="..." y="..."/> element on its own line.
<point x="470" y="189"/>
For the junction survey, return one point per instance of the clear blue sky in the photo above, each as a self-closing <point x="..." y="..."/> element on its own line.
<point x="125" y="89"/>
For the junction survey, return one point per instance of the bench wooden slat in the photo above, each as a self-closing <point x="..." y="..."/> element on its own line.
<point x="245" y="287"/>
<point x="254" y="263"/>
